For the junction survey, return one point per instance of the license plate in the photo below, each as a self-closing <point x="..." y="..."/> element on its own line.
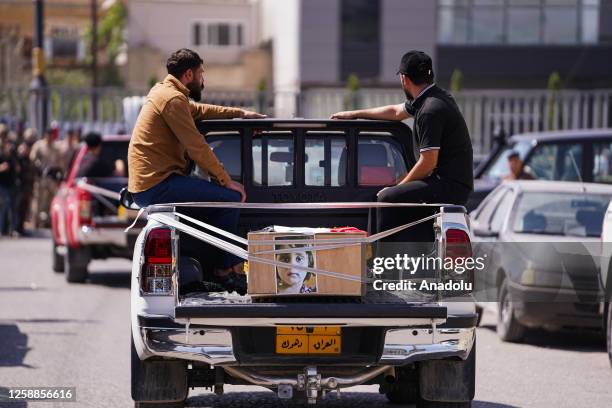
<point x="308" y="340"/>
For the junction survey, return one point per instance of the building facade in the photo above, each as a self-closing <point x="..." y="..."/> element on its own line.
<point x="223" y="32"/>
<point x="519" y="43"/>
<point x="494" y="43"/>
<point x="65" y="23"/>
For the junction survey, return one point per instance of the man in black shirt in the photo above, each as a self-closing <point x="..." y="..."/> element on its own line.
<point x="444" y="170"/>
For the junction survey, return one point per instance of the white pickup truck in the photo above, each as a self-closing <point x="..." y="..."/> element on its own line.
<point x="188" y="332"/>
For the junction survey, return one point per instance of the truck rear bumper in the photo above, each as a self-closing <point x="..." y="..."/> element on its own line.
<point x="403" y="344"/>
<point x="97" y="235"/>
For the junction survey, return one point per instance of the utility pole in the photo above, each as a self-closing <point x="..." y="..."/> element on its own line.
<point x="94" y="60"/>
<point x="38" y="86"/>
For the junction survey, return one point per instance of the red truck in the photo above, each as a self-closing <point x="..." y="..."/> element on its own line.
<point x="87" y="220"/>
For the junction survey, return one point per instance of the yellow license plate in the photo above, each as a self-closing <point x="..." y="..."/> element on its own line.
<point x="308" y="340"/>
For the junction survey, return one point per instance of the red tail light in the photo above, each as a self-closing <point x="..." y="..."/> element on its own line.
<point x="156" y="277"/>
<point x="458" y="244"/>
<point x="84" y="207"/>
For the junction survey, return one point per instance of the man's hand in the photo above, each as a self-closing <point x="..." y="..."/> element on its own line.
<point x="380" y="192"/>
<point x="252" y="115"/>
<point x="234" y="185"/>
<point x="344" y="115"/>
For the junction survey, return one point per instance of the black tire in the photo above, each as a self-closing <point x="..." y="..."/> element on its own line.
<point x="165" y="381"/>
<point x="405" y="389"/>
<point x="508" y="328"/>
<point x="479" y="313"/>
<point x="609" y="333"/>
<point x="57" y="259"/>
<point x="439" y="404"/>
<point x="75" y="264"/>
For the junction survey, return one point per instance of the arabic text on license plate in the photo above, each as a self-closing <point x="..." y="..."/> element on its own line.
<point x="308" y="340"/>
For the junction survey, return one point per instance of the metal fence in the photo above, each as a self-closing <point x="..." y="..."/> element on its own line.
<point x="516" y="111"/>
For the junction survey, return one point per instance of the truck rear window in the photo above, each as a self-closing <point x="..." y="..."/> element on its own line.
<point x="226" y="146"/>
<point x="273" y="158"/>
<point x="379" y="160"/>
<point x="325" y="159"/>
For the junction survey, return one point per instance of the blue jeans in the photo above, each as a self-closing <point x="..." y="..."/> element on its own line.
<point x="182" y="189"/>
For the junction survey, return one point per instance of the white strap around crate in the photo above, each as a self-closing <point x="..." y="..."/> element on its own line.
<point x="330" y="243"/>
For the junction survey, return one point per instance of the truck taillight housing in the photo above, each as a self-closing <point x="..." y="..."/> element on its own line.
<point x="84" y="207"/>
<point x="458" y="244"/>
<point x="156" y="276"/>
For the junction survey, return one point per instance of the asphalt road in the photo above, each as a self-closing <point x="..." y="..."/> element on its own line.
<point x="56" y="334"/>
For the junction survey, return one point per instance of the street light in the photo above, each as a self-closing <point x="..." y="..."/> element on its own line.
<point x="94" y="60"/>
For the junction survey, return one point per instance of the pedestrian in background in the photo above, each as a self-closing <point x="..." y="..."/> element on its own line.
<point x="25" y="187"/>
<point x="7" y="175"/>
<point x="46" y="158"/>
<point x="69" y="147"/>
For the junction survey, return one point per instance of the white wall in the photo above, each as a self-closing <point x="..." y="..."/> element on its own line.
<point x="166" y="25"/>
<point x="280" y="23"/>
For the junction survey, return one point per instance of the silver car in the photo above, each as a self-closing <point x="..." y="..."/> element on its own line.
<point x="541" y="245"/>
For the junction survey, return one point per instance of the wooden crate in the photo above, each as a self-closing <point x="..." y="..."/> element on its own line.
<point x="265" y="280"/>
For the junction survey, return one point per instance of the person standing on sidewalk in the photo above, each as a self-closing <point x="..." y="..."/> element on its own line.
<point x="164" y="132"/>
<point x="46" y="158"/>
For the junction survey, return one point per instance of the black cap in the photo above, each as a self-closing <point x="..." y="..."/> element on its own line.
<point x="416" y="64"/>
<point x="93" y="139"/>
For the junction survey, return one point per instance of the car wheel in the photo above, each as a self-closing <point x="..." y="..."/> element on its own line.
<point x="508" y="328"/>
<point x="405" y="389"/>
<point x="57" y="259"/>
<point x="439" y="404"/>
<point x="479" y="313"/>
<point x="609" y="333"/>
<point x="75" y="264"/>
<point x="158" y="383"/>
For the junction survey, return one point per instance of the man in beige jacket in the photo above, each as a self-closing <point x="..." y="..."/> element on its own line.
<point x="165" y="131"/>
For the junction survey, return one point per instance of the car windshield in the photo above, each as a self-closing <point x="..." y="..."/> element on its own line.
<point x="566" y="214"/>
<point x="499" y="167"/>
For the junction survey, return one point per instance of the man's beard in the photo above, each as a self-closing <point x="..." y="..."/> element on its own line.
<point x="195" y="90"/>
<point x="408" y="96"/>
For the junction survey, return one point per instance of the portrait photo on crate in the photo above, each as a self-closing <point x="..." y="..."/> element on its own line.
<point x="292" y="279"/>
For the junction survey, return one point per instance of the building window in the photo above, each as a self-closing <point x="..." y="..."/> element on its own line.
<point x="217" y="34"/>
<point x="359" y="37"/>
<point x="520" y="22"/>
<point x="64" y="43"/>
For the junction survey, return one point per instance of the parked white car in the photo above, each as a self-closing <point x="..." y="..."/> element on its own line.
<point x="605" y="276"/>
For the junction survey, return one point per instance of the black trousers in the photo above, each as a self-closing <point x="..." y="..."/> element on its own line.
<point x="430" y="190"/>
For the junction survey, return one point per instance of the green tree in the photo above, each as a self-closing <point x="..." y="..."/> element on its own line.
<point x="111" y="41"/>
<point x="351" y="100"/>
<point x="456" y="81"/>
<point x="554" y="86"/>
